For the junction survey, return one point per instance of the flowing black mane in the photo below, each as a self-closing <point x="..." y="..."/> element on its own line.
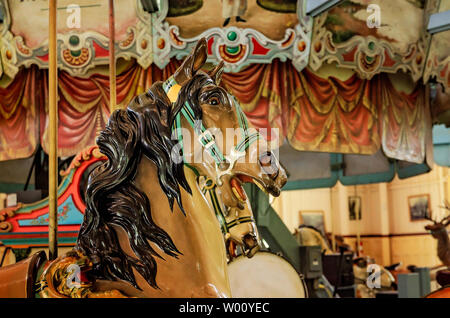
<point x="112" y="198"/>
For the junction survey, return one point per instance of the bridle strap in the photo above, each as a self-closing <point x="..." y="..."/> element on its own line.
<point x="219" y="210"/>
<point x="206" y="139"/>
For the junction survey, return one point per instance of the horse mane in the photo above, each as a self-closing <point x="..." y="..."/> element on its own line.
<point x="112" y="197"/>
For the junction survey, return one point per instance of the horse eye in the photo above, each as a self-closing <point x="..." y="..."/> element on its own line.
<point x="213" y="101"/>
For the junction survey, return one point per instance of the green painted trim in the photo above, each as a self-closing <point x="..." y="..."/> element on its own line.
<point x="35" y="241"/>
<point x="310" y="184"/>
<point x="380" y="177"/>
<point x="14" y="187"/>
<point x="317" y="183"/>
<point x="271" y="227"/>
<point x="412" y="171"/>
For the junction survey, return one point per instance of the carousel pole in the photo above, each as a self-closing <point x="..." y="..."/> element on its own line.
<point x="358" y="229"/>
<point x="53" y="133"/>
<point x="112" y="59"/>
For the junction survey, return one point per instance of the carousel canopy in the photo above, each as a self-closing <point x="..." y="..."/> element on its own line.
<point x="337" y="90"/>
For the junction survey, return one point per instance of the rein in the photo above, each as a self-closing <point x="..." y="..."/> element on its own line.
<point x="219" y="208"/>
<point x="206" y="139"/>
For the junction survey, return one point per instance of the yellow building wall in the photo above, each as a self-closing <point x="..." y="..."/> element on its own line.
<point x="386" y="230"/>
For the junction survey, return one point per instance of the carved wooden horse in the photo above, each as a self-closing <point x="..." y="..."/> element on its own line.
<point x="148" y="230"/>
<point x="237" y="223"/>
<point x="307" y="235"/>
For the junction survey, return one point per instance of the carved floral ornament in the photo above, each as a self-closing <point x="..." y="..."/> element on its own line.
<point x="237" y="47"/>
<point x="78" y="50"/>
<point x="369" y="55"/>
<point x="6" y="213"/>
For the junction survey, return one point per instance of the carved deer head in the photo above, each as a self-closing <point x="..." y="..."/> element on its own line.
<point x="438" y="227"/>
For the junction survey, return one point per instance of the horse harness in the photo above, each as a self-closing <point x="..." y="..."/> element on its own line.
<point x="206" y="139"/>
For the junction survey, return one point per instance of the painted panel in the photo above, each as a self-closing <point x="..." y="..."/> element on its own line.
<point x="263" y="36"/>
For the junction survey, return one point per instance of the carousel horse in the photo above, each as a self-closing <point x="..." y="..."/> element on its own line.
<point x="237" y="224"/>
<point x="252" y="273"/>
<point x="148" y="231"/>
<point x="308" y="235"/>
<point x="360" y="270"/>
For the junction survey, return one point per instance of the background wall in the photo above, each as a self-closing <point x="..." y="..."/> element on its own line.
<point x="387" y="232"/>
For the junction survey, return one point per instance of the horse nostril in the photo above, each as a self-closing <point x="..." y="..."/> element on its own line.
<point x="249" y="240"/>
<point x="269" y="164"/>
<point x="251" y="245"/>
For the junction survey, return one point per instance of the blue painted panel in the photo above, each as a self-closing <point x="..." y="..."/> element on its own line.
<point x="441" y="145"/>
<point x="68" y="214"/>
<point x="441" y="135"/>
<point x="439" y="22"/>
<point x="441" y="155"/>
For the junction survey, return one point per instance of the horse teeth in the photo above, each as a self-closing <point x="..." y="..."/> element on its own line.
<point x="261" y="187"/>
<point x="236" y="193"/>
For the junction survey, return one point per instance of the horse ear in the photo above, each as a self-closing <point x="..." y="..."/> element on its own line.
<point x="216" y="73"/>
<point x="192" y="63"/>
<point x="199" y="56"/>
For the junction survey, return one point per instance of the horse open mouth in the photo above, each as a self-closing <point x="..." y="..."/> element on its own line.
<point x="239" y="192"/>
<point x="249" y="246"/>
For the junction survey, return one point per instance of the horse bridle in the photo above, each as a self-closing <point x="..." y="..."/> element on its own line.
<point x="224" y="163"/>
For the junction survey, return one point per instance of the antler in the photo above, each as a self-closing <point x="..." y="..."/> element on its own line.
<point x="446" y="220"/>
<point x="427" y="217"/>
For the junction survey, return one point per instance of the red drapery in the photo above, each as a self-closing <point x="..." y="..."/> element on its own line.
<point x="312" y="113"/>
<point x="18" y="120"/>
<point x="331" y="115"/>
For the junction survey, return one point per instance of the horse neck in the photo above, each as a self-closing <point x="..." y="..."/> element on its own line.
<point x="201" y="270"/>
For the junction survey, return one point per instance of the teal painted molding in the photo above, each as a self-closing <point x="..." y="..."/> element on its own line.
<point x="14" y="187"/>
<point x="271" y="228"/>
<point x="337" y="173"/>
<point x="367" y="178"/>
<point x="37" y="241"/>
<point x="412" y="171"/>
<point x="335" y="161"/>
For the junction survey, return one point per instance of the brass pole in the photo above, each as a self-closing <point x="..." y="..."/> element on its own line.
<point x="358" y="228"/>
<point x="112" y="59"/>
<point x="53" y="133"/>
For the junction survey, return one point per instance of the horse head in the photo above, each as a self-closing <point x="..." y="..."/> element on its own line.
<point x="216" y="139"/>
<point x="186" y="121"/>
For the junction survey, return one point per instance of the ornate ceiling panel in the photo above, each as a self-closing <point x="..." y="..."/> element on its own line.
<point x="354" y="35"/>
<point x="82" y="38"/>
<point x="438" y="62"/>
<point x="263" y="36"/>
